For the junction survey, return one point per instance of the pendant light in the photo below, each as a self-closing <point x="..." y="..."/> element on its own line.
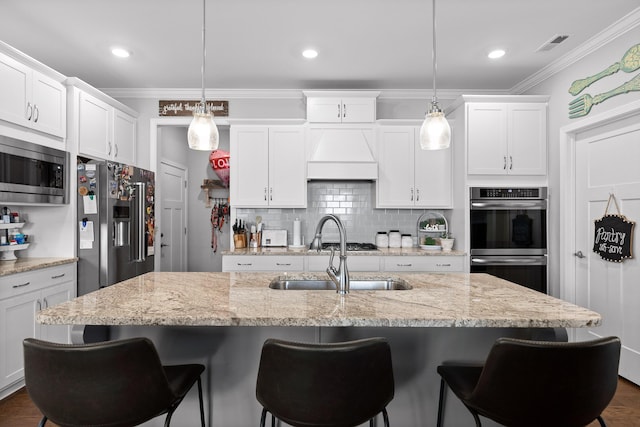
<point x="435" y="133"/>
<point x="203" y="132"/>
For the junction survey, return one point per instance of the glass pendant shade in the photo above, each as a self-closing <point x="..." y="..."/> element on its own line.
<point x="203" y="132"/>
<point x="435" y="133"/>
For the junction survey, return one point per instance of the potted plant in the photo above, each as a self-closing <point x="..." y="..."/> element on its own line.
<point x="440" y="223"/>
<point x="446" y="241"/>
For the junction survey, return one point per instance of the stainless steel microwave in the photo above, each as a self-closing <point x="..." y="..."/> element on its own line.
<point x="32" y="173"/>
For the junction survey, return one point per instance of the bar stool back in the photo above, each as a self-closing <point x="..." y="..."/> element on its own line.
<point x="114" y="383"/>
<point x="321" y="385"/>
<point x="534" y="383"/>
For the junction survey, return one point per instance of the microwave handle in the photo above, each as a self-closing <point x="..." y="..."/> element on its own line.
<point x="514" y="261"/>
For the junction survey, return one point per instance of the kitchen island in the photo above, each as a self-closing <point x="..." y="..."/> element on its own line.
<point x="222" y="319"/>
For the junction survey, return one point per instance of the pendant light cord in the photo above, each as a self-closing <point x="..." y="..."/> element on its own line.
<point x="204" y="50"/>
<point x="433" y="53"/>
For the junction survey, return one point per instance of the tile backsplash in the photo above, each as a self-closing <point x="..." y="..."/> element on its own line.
<point x="352" y="201"/>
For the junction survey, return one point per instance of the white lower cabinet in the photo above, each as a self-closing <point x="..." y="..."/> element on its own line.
<point x="356" y="263"/>
<point x="433" y="264"/>
<point x="319" y="263"/>
<point x="22" y="295"/>
<point x="262" y="263"/>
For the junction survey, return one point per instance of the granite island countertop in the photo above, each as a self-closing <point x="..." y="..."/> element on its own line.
<point x="245" y="299"/>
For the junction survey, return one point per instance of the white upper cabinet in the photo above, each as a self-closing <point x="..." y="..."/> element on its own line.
<point x="507" y="138"/>
<point x="103" y="130"/>
<point x="31" y="99"/>
<point x="408" y="176"/>
<point x="267" y="166"/>
<point x="341" y="107"/>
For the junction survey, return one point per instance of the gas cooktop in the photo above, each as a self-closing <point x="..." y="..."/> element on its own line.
<point x="351" y="246"/>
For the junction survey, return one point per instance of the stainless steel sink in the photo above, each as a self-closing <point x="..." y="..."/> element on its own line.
<point x="354" y="284"/>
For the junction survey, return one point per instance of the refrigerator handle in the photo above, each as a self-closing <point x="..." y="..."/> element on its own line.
<point x="138" y="243"/>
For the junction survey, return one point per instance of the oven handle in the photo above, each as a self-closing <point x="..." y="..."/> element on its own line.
<point x="533" y="204"/>
<point x="513" y="261"/>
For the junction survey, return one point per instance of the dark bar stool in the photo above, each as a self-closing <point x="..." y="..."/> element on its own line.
<point x="320" y="385"/>
<point x="534" y="383"/>
<point x="114" y="383"/>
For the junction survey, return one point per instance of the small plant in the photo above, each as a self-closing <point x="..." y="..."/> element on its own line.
<point x="440" y="221"/>
<point x="446" y="235"/>
<point x="429" y="241"/>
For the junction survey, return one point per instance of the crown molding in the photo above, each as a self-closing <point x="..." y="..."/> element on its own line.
<point x="194" y="93"/>
<point x="620" y="27"/>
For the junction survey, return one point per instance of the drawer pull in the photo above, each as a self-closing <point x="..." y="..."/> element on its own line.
<point x="58" y="276"/>
<point x="22" y="285"/>
<point x="443" y="265"/>
<point x="404" y="265"/>
<point x="244" y="264"/>
<point x="286" y="264"/>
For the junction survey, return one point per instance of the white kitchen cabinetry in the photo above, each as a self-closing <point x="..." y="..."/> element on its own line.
<point x="267" y="166"/>
<point x="408" y="176"/>
<point x="32" y="99"/>
<point x="432" y="263"/>
<point x="506" y="138"/>
<point x="341" y="107"/>
<point x="104" y="128"/>
<point x="22" y="295"/>
<point x="319" y="263"/>
<point x="279" y="263"/>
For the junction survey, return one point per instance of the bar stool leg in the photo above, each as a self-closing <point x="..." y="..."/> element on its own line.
<point x="441" y="402"/>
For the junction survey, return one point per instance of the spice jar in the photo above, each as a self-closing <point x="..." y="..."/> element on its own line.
<point x="382" y="240"/>
<point x="395" y="239"/>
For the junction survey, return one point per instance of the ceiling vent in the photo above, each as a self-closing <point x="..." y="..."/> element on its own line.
<point x="552" y="42"/>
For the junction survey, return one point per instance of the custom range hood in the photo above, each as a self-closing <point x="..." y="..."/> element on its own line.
<point x="342" y="153"/>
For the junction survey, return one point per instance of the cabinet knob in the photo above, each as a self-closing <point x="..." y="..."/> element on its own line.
<point x="29" y="111"/>
<point x="417" y="194"/>
<point x="504" y="165"/>
<point x="510" y="162"/>
<point x="36" y="113"/>
<point x="412" y="194"/>
<point x="338" y="105"/>
<point x="344" y="110"/>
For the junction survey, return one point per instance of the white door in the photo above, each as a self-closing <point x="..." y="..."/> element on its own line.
<point x="395" y="167"/>
<point x="608" y="164"/>
<point x="173" y="237"/>
<point x="287" y="168"/>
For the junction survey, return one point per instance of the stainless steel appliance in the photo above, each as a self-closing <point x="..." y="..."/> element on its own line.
<point x="122" y="221"/>
<point x="32" y="173"/>
<point x="351" y="246"/>
<point x="508" y="234"/>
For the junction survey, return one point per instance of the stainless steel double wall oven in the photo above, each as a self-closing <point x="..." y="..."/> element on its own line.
<point x="508" y="234"/>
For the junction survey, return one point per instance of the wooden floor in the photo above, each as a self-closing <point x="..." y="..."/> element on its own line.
<point x="17" y="410"/>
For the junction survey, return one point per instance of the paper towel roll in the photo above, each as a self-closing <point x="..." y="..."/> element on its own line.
<point x="296" y="232"/>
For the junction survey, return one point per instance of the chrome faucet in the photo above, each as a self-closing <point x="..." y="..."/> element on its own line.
<point x="340" y="276"/>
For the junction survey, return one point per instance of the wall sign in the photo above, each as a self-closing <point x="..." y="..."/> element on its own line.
<point x="185" y="108"/>
<point x="613" y="239"/>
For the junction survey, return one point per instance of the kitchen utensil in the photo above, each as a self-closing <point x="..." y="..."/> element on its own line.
<point x="629" y="63"/>
<point x="581" y="106"/>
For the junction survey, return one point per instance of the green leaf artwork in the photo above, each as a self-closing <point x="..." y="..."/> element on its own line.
<point x="581" y="106"/>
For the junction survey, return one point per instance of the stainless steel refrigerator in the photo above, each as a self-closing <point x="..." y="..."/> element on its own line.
<point x="115" y="221"/>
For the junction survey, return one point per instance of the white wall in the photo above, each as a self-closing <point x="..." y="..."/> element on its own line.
<point x="558" y="86"/>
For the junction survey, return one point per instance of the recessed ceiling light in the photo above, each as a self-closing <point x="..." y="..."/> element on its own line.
<point x="310" y="53"/>
<point x="495" y="54"/>
<point x="120" y="52"/>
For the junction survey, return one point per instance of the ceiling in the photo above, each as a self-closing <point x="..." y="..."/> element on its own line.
<point x="257" y="44"/>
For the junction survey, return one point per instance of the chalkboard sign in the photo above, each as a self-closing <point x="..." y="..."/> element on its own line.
<point x="613" y="237"/>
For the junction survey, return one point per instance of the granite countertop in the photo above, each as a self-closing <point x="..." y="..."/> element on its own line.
<point x="413" y="251"/>
<point x="22" y="265"/>
<point x="244" y="299"/>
